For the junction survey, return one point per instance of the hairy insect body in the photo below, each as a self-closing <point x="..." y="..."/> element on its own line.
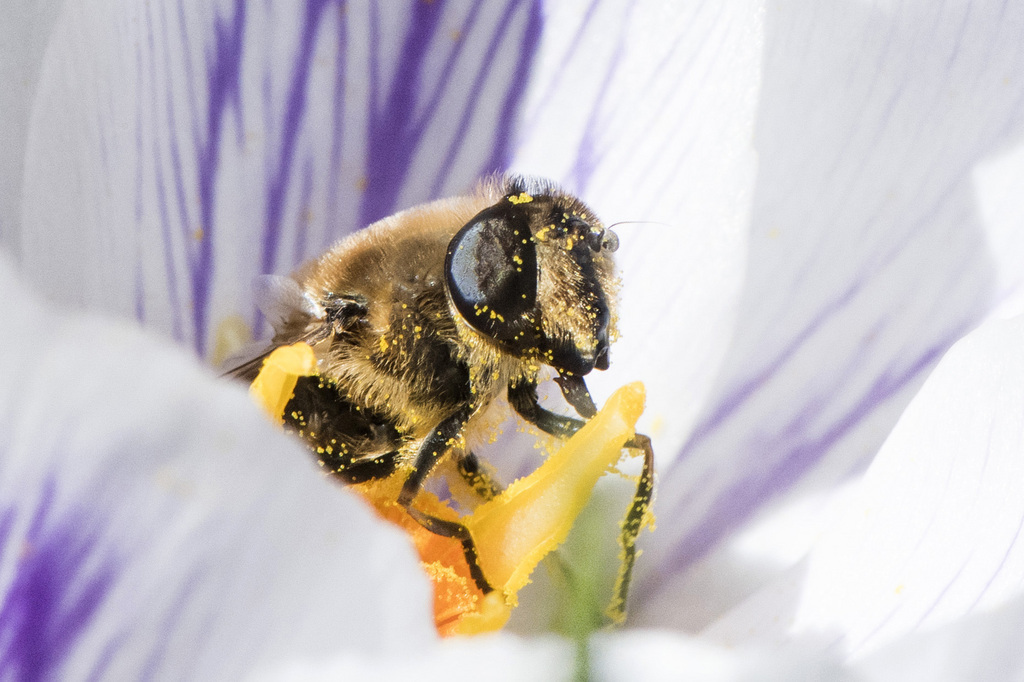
<point x="407" y="361"/>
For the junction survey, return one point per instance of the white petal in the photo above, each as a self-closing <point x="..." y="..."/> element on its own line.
<point x="933" y="531"/>
<point x="629" y="655"/>
<point x="153" y="523"/>
<point x="868" y="256"/>
<point x="179" y="149"/>
<point x="983" y="646"/>
<point x="666" y="655"/>
<point x="998" y="184"/>
<point x="493" y="657"/>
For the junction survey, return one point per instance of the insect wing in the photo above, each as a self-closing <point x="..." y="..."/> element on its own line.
<point x="282" y="301"/>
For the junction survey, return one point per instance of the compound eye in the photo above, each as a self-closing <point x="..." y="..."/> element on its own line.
<point x="491" y="272"/>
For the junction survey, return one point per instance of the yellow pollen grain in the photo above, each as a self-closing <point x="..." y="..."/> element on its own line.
<point x="522" y="198"/>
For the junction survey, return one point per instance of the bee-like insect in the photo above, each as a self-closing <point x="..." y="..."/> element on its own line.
<point x="422" y="319"/>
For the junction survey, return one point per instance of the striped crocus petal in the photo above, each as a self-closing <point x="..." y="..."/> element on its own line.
<point x="921" y="568"/>
<point x="177" y="149"/>
<point x="154" y="524"/>
<point x="876" y="223"/>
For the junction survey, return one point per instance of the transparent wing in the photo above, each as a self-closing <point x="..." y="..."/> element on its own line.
<point x="283" y="302"/>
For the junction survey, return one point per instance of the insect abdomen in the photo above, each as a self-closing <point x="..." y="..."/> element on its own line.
<point x="353" y="443"/>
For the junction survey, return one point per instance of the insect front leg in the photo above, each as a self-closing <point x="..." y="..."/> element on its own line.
<point x="434" y="447"/>
<point x="634" y="521"/>
<point x="523" y="399"/>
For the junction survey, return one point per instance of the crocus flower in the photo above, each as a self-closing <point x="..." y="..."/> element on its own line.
<point x="832" y="197"/>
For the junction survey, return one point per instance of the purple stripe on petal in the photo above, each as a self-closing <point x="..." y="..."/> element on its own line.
<point x="476" y="88"/>
<point x="1010" y="547"/>
<point x="166" y="222"/>
<point x="155" y="662"/>
<point x="735" y="399"/>
<point x="502" y="155"/>
<point x="295" y="108"/>
<point x="180" y="194"/>
<point x="223" y="83"/>
<point x="449" y="66"/>
<point x="587" y="158"/>
<point x="140" y="293"/>
<point x="186" y="43"/>
<point x="894" y="610"/>
<point x="938" y="598"/>
<point x="747" y="494"/>
<point x="167" y="225"/>
<point x="106" y="657"/>
<point x="390" y="145"/>
<point x="337" y="130"/>
<point x="396" y="134"/>
<point x="56" y="590"/>
<point x="302" y="219"/>
<point x="140" y="306"/>
<point x="563" y="68"/>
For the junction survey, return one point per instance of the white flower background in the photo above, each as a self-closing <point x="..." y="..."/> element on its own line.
<point x="823" y="307"/>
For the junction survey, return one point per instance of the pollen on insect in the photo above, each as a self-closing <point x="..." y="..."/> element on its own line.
<point x="522" y="198"/>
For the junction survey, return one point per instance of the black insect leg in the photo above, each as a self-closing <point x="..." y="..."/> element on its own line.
<point x="523" y="399"/>
<point x="478" y="477"/>
<point x="436" y="445"/>
<point x="631" y="526"/>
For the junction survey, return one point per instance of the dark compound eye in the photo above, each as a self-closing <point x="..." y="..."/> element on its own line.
<point x="491" y="272"/>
